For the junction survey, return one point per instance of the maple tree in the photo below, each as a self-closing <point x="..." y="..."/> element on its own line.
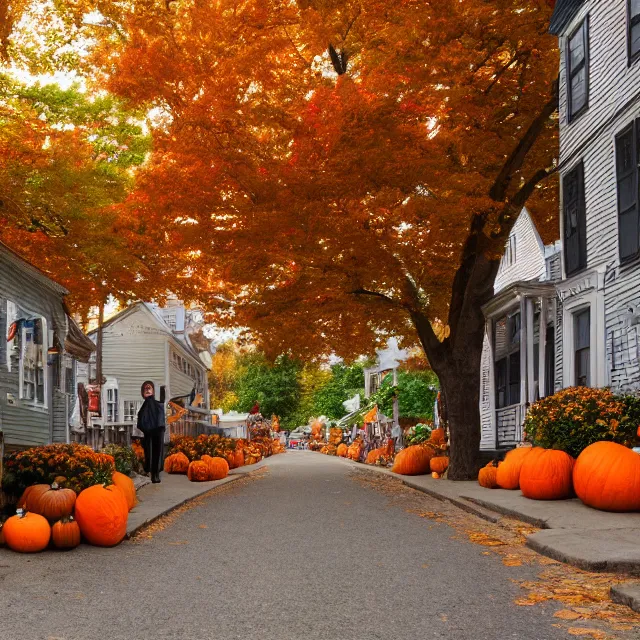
<point x="344" y="171"/>
<point x="338" y="172"/>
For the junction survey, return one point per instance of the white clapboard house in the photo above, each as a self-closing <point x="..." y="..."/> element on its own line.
<point x="522" y="326"/>
<point x="600" y="204"/>
<point x="148" y="342"/>
<point x="40" y="345"/>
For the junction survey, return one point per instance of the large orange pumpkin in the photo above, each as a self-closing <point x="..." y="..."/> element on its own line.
<point x="31" y="496"/>
<point x="440" y="464"/>
<point x="218" y="468"/>
<point x="413" y="461"/>
<point x="27" y="532"/>
<point x="342" y="450"/>
<point x="101" y="513"/>
<point x="230" y="457"/>
<point x="508" y="476"/>
<point x="487" y="476"/>
<point x="125" y="484"/>
<point x="66" y="534"/>
<point x="546" y="475"/>
<point x="54" y="504"/>
<point x="176" y="463"/>
<point x="198" y="471"/>
<point x="239" y="458"/>
<point x="606" y="476"/>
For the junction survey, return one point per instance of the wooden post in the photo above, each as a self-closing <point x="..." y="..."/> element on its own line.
<point x="99" y="351"/>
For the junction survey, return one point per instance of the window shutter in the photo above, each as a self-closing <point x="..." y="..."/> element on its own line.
<point x="575" y="220"/>
<point x="627" y="183"/>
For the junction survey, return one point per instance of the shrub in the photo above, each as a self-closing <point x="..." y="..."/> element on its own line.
<point x="72" y="465"/>
<point x="195" y="448"/>
<point x="576" y="417"/>
<point x="127" y="461"/>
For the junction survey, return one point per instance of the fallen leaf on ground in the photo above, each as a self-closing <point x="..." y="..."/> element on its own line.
<point x="511" y="561"/>
<point x="593" y="633"/>
<point x="485" y="540"/>
<point x="566" y="614"/>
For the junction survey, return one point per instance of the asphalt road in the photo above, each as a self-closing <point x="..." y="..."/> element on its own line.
<point x="303" y="551"/>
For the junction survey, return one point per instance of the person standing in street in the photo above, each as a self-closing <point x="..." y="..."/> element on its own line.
<point x="151" y="421"/>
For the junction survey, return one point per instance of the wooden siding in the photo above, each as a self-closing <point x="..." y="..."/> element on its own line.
<point x="133" y="350"/>
<point x="529" y="261"/>
<point x="487" y="433"/>
<point x="180" y="383"/>
<point x="612" y="83"/>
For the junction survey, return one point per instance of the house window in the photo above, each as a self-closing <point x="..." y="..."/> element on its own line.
<point x="634" y="29"/>
<point x="12" y="345"/>
<point x="627" y="181"/>
<point x="112" y="405"/>
<point x="33" y="349"/>
<point x="575" y="220"/>
<point x="171" y="321"/>
<point x="577" y="71"/>
<point x="507" y="360"/>
<point x="131" y="408"/>
<point x="582" y="347"/>
<point x="510" y="251"/>
<point x="69" y="376"/>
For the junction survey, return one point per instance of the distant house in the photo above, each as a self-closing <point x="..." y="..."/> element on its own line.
<point x="40" y="345"/>
<point x="523" y="325"/>
<point x="600" y="199"/>
<point x="147" y="342"/>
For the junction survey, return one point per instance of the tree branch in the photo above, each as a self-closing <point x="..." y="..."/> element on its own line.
<point x="376" y="294"/>
<point x="516" y="159"/>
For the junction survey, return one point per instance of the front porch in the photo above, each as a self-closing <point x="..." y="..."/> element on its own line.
<point x="518" y="365"/>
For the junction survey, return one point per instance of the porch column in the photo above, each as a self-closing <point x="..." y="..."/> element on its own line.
<point x="530" y="373"/>
<point x="542" y="365"/>
<point x="524" y="383"/>
<point x="492" y="380"/>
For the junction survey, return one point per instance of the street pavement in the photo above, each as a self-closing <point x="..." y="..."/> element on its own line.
<point x="303" y="549"/>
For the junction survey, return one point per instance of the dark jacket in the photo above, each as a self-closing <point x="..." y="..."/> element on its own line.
<point x="151" y="415"/>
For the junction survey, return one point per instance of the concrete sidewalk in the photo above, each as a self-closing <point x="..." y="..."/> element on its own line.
<point x="570" y="531"/>
<point x="156" y="500"/>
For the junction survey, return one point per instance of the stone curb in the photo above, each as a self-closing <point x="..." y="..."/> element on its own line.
<point x="206" y="487"/>
<point x="627" y="594"/>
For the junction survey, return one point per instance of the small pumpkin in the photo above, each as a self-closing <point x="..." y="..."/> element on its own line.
<point x="440" y="464"/>
<point x="413" y="461"/>
<point x="437" y="436"/>
<point x="176" y="463"/>
<point x="198" y="471"/>
<point x="218" y="468"/>
<point x="128" y="488"/>
<point x="435" y="475"/>
<point x="101" y="513"/>
<point x="66" y="534"/>
<point x="508" y="476"/>
<point x="27" y="532"/>
<point x="342" y="450"/>
<point x="239" y="458"/>
<point x="374" y="455"/>
<point x="547" y="475"/>
<point x="487" y="476"/>
<point x="606" y="476"/>
<point x="54" y="504"/>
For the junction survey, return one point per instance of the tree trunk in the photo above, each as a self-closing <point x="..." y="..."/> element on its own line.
<point x="456" y="361"/>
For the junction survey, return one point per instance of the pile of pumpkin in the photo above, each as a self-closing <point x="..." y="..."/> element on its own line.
<point x="427" y="457"/>
<point x="605" y="475"/>
<point x="49" y="514"/>
<point x="204" y="470"/>
<point x="316" y="430"/>
<point x="329" y="450"/>
<point x="335" y="436"/>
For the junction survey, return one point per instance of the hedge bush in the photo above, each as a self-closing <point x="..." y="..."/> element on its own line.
<point x="127" y="460"/>
<point x="72" y="465"/>
<point x="574" y="418"/>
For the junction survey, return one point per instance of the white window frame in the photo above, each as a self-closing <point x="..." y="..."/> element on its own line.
<point x="592" y="298"/>
<point x="111" y="399"/>
<point x="136" y="404"/>
<point x="45" y="373"/>
<point x="12" y="316"/>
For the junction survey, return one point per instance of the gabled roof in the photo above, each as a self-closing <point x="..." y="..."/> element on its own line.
<point x="32" y="270"/>
<point x="158" y="320"/>
<point x="565" y="10"/>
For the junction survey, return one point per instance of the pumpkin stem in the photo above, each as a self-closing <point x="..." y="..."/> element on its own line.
<point x="21" y="513"/>
<point x="55" y="486"/>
